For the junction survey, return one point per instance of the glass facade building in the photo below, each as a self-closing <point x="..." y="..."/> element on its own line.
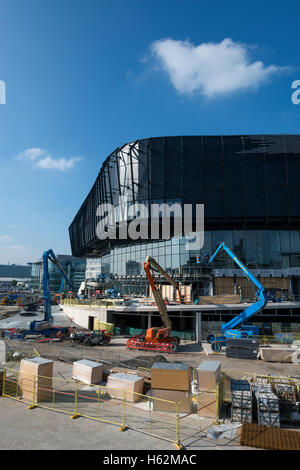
<point x="249" y="186"/>
<point x="74" y="268"/>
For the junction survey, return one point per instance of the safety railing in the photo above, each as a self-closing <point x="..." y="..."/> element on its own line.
<point x="92" y="302"/>
<point x="126" y="409"/>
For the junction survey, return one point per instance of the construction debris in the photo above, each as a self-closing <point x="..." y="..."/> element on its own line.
<point x="223" y="431"/>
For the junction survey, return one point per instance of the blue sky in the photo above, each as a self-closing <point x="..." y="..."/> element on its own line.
<point x="84" y="77"/>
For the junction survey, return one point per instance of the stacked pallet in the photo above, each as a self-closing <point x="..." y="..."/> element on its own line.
<point x="219" y="299"/>
<point x="287" y="396"/>
<point x="126" y="386"/>
<point x="242" y="348"/>
<point x="241" y="405"/>
<point x="253" y="435"/>
<point x="209" y="376"/>
<point x="88" y="372"/>
<point x="171" y="382"/>
<point x="35" y="379"/>
<point x="266" y="405"/>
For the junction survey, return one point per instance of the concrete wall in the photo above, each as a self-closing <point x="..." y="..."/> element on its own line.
<point x="81" y="314"/>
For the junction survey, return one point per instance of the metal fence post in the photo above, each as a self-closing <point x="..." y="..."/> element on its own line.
<point x="99" y="396"/>
<point x="17" y="387"/>
<point x="123" y="426"/>
<point x="76" y="414"/>
<point x="198" y="410"/>
<point x="177" y="443"/>
<point x="33" y="404"/>
<point x="149" y="413"/>
<point x="3" y="386"/>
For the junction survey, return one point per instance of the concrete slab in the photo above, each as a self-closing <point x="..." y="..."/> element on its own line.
<point x="23" y="322"/>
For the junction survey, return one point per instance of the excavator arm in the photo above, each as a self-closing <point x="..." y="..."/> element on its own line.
<point x="156" y="338"/>
<point x="150" y="266"/>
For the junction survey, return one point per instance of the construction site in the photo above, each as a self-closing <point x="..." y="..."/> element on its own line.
<point x="166" y="346"/>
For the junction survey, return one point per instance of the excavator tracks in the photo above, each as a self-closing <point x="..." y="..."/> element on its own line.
<point x="135" y="344"/>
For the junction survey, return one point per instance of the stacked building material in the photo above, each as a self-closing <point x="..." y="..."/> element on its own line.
<point x="35" y="379"/>
<point x="127" y="386"/>
<point x="219" y="299"/>
<point x="209" y="376"/>
<point x="88" y="372"/>
<point x="266" y="405"/>
<point x="171" y="382"/>
<point x="287" y="397"/>
<point x="254" y="435"/>
<point x="241" y="405"/>
<point x="242" y="348"/>
<point x="278" y="354"/>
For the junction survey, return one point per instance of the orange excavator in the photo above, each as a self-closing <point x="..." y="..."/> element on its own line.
<point x="157" y="339"/>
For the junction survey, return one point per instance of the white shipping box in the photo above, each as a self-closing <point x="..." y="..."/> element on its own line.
<point x="88" y="372"/>
<point x="131" y="384"/>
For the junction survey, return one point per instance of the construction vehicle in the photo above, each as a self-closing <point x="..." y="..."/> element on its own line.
<point x="10" y="299"/>
<point x="157" y="338"/>
<point x="45" y="326"/>
<point x="91" y="338"/>
<point x="236" y="328"/>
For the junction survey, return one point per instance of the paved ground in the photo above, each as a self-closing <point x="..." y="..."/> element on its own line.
<point x="190" y="353"/>
<point x="48" y="430"/>
<point x="44" y="429"/>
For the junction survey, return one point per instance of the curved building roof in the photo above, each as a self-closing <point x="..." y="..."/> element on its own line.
<point x="244" y="181"/>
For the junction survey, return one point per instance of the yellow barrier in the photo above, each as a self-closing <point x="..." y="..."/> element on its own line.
<point x="98" y="402"/>
<point x="100" y="325"/>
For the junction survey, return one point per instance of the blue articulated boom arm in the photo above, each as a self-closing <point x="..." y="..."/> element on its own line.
<point x="261" y="294"/>
<point x="46" y="281"/>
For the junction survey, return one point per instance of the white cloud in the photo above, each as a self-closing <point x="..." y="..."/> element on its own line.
<point x="61" y="164"/>
<point x="32" y="154"/>
<point x="211" y="68"/>
<point x="6" y="238"/>
<point x="45" y="161"/>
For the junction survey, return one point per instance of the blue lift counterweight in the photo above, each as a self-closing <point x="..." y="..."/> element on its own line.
<point x="244" y="330"/>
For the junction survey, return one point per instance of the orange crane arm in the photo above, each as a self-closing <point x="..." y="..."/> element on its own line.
<point x="150" y="266"/>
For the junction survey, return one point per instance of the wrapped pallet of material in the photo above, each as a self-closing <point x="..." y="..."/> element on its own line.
<point x="243" y="415"/>
<point x="171" y="376"/>
<point x="182" y="398"/>
<point x="209" y="375"/>
<point x="35" y="379"/>
<point x="207" y="405"/>
<point x="119" y="383"/>
<point x="280" y="354"/>
<point x="88" y="372"/>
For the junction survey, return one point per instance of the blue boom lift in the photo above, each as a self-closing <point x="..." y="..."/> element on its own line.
<point x="230" y="329"/>
<point x="45" y="326"/>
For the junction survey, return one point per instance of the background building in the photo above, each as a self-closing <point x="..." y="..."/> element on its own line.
<point x="14" y="272"/>
<point x="74" y="268"/>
